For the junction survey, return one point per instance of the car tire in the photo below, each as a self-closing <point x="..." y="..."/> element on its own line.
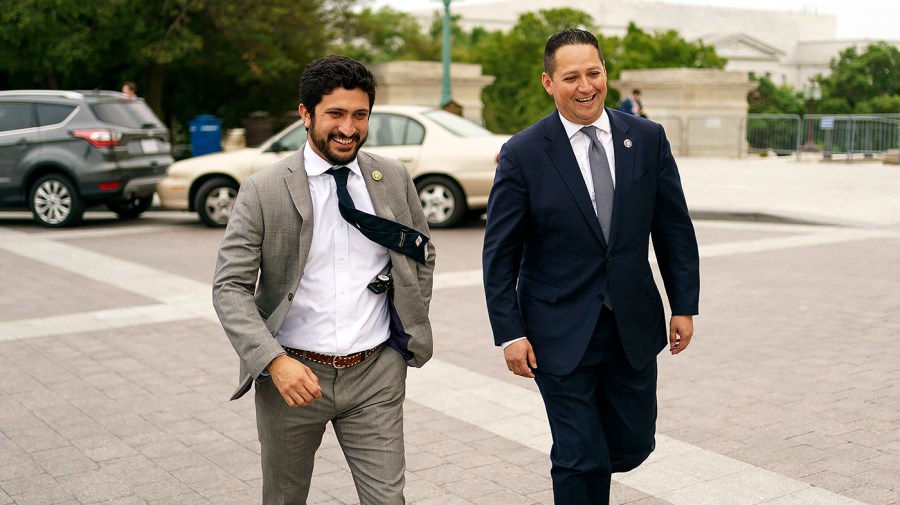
<point x="131" y="209"/>
<point x="55" y="202"/>
<point x="442" y="200"/>
<point x="214" y="201"/>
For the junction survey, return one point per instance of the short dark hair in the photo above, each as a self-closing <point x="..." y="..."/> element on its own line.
<point x="324" y="75"/>
<point x="567" y="37"/>
<point x="635" y="91"/>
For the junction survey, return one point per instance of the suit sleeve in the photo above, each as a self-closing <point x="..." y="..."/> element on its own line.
<point x="235" y="279"/>
<point x="504" y="240"/>
<point x="674" y="241"/>
<point x="425" y="273"/>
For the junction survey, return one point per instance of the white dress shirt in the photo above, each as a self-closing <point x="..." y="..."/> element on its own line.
<point x="333" y="312"/>
<point x="581" y="146"/>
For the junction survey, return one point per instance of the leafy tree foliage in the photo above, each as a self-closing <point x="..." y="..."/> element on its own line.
<point x="768" y="98"/>
<point x="863" y="82"/>
<point x="225" y="57"/>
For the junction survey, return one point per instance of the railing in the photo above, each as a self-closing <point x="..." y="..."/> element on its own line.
<point x="844" y="136"/>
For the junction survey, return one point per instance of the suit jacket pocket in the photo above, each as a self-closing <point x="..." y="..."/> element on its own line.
<point x="539" y="290"/>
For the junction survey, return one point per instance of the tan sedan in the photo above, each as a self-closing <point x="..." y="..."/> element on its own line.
<point x="452" y="161"/>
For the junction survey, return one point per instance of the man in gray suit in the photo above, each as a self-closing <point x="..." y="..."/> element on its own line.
<point x="297" y="288"/>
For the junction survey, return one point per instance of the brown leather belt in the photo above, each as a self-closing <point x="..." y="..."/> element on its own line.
<point x="335" y="361"/>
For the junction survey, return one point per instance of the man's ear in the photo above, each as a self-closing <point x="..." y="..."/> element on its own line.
<point x="305" y="115"/>
<point x="546" y="81"/>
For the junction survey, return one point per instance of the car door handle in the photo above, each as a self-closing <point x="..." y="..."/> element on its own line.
<point x="22" y="143"/>
<point x="406" y="160"/>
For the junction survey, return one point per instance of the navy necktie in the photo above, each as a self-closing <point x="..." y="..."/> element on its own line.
<point x="385" y="232"/>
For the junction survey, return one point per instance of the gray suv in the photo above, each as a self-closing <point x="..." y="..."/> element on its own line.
<point x="64" y="151"/>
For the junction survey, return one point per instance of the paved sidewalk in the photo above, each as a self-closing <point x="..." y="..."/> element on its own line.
<point x="856" y="194"/>
<point x="116" y="373"/>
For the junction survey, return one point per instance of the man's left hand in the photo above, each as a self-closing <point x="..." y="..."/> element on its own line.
<point x="681" y="329"/>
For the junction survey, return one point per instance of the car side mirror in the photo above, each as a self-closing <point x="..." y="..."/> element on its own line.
<point x="276" y="147"/>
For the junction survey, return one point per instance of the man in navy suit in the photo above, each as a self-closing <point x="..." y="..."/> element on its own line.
<point x="569" y="289"/>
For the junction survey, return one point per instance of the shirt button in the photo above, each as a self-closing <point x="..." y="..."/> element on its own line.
<point x="340" y="224"/>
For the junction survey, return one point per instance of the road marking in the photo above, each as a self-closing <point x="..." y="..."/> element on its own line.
<point x="680" y="473"/>
<point x="677" y="472"/>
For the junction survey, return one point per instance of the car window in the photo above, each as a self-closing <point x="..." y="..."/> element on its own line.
<point x="50" y="114"/>
<point x="457" y="125"/>
<point x="15" y="116"/>
<point x="394" y="130"/>
<point x="127" y="113"/>
<point x="294" y="139"/>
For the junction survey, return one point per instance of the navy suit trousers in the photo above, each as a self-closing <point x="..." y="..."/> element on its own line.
<point x="602" y="418"/>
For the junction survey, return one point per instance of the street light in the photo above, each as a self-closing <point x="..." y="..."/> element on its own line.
<point x="811" y="92"/>
<point x="446" y="96"/>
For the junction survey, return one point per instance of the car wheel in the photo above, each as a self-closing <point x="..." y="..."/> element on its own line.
<point x="442" y="200"/>
<point x="214" y="201"/>
<point x="55" y="202"/>
<point x="131" y="209"/>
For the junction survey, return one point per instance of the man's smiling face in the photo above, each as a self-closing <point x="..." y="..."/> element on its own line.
<point x="578" y="83"/>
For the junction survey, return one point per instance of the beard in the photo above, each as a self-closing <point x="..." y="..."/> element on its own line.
<point x="321" y="140"/>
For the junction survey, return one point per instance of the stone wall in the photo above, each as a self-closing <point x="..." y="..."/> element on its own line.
<point x="419" y="83"/>
<point x="702" y="110"/>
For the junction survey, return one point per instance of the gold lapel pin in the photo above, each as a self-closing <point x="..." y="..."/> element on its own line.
<point x="376" y="175"/>
<point x="628" y="143"/>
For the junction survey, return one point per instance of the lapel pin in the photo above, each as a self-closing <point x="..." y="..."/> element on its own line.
<point x="376" y="175"/>
<point x="628" y="143"/>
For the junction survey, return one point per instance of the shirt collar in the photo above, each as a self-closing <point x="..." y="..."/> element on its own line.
<point x="316" y="165"/>
<point x="602" y="123"/>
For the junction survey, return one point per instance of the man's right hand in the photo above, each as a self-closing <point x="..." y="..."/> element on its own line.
<point x="297" y="384"/>
<point x="520" y="358"/>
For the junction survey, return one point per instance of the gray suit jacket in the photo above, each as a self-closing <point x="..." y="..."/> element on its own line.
<point x="266" y="245"/>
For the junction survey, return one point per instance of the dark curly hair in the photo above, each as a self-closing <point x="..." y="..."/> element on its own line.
<point x="324" y="75"/>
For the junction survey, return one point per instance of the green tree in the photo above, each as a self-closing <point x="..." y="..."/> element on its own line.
<point x="863" y="82"/>
<point x="768" y="98"/>
<point x="516" y="98"/>
<point x="226" y="57"/>
<point x="384" y="35"/>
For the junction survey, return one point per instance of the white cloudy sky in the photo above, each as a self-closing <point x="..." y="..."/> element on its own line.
<point x="871" y="19"/>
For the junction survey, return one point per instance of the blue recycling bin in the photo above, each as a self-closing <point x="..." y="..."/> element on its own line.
<point x="206" y="134"/>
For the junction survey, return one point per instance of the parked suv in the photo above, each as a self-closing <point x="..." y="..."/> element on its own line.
<point x="64" y="151"/>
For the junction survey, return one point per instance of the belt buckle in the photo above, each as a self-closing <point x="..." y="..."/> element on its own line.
<point x="334" y="363"/>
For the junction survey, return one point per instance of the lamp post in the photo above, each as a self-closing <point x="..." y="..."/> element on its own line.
<point x="811" y="92"/>
<point x="446" y="96"/>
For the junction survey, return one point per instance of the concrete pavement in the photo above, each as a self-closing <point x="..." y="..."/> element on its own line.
<point x="116" y="374"/>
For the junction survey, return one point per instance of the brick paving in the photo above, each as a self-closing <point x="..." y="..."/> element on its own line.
<point x="793" y="374"/>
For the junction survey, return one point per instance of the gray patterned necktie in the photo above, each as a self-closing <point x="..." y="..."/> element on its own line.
<point x="602" y="178"/>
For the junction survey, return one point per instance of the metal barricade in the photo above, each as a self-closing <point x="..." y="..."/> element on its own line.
<point x="778" y="133"/>
<point x="674" y="132"/>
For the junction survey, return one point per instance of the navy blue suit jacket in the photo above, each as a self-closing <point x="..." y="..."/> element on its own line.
<point x="546" y="264"/>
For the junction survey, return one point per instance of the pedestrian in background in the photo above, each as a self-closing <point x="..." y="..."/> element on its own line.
<point x="130" y="89"/>
<point x="632" y="104"/>
<point x="325" y="302"/>
<point x="569" y="289"/>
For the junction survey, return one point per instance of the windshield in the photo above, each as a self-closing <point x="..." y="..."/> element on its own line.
<point x="127" y="113"/>
<point x="457" y="125"/>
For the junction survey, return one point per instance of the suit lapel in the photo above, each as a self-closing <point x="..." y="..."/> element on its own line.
<point x="624" y="148"/>
<point x="559" y="149"/>
<point x="298" y="187"/>
<point x="377" y="188"/>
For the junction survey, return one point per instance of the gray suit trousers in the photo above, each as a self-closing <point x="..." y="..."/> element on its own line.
<point x="364" y="403"/>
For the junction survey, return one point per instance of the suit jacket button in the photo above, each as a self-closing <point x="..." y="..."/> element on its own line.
<point x="609" y="257"/>
<point x="290" y="297"/>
